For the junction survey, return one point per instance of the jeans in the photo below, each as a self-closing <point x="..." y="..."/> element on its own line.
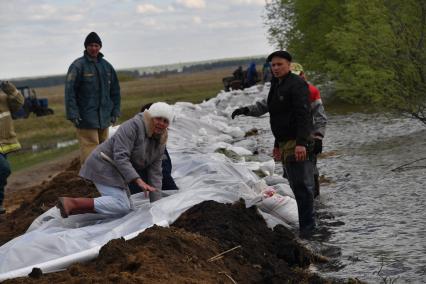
<point x="4" y="174"/>
<point x="114" y="200"/>
<point x="301" y="179"/>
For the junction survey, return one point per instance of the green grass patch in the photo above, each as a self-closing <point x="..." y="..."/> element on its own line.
<point x="48" y="130"/>
<point x="21" y="160"/>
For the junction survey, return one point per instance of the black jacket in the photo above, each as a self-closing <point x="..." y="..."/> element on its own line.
<point x="289" y="109"/>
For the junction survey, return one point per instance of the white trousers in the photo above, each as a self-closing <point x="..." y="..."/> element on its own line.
<point x="114" y="200"/>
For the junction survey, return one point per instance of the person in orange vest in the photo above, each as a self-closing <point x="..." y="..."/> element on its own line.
<point x="319" y="122"/>
<point x="11" y="100"/>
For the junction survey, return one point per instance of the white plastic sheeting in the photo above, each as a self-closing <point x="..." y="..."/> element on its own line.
<point x="52" y="243"/>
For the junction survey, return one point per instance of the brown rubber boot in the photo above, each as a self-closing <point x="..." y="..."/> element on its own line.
<point x="73" y="206"/>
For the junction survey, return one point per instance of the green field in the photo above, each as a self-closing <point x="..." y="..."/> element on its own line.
<point x="46" y="131"/>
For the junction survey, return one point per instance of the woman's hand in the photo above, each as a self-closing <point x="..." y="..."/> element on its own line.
<point x="144" y="186"/>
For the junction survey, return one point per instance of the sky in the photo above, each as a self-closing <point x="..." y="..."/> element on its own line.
<point x="43" y="37"/>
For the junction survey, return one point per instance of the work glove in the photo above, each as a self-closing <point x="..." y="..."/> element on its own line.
<point x="76" y="121"/>
<point x="8" y="88"/>
<point x="317" y="146"/>
<point x="113" y="119"/>
<point x="240" y="111"/>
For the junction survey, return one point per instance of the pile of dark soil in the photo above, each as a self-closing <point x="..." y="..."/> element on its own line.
<point x="38" y="199"/>
<point x="209" y="243"/>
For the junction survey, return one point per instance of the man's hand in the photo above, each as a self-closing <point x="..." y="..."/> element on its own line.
<point x="276" y="153"/>
<point x="113" y="120"/>
<point x="300" y="153"/>
<point x="76" y="121"/>
<point x="317" y="146"/>
<point x="240" y="111"/>
<point x="145" y="187"/>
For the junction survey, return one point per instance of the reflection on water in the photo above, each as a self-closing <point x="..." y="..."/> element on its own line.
<point x="372" y="218"/>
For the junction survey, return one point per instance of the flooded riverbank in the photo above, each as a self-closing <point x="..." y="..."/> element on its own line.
<point x="372" y="212"/>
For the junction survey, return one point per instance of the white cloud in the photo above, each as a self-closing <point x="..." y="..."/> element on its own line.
<point x="196" y="20"/>
<point x="249" y="2"/>
<point x="148" y="8"/>
<point x="53" y="31"/>
<point x="193" y="4"/>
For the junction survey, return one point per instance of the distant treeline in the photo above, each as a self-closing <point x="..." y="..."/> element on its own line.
<point x="198" y="67"/>
<point x="125" y="75"/>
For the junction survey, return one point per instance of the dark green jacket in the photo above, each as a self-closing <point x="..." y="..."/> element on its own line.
<point x="92" y="92"/>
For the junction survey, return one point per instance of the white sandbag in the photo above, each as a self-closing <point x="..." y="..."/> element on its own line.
<point x="281" y="207"/>
<point x="275" y="179"/>
<point x="239" y="150"/>
<point x="267" y="167"/>
<point x="284" y="190"/>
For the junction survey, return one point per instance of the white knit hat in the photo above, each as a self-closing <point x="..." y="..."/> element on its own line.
<point x="161" y="109"/>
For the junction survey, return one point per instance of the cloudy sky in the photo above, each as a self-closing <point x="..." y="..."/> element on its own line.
<point x="43" y="37"/>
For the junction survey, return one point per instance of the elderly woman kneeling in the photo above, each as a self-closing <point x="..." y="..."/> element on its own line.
<point x="138" y="145"/>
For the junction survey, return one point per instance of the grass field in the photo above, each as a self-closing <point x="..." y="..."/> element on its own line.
<point x="49" y="130"/>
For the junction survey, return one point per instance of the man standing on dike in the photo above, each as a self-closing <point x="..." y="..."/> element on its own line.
<point x="319" y="124"/>
<point x="291" y="125"/>
<point x="92" y="96"/>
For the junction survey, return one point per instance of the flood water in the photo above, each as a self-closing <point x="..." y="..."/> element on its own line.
<point x="372" y="217"/>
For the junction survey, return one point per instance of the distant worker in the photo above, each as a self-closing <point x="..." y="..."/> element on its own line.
<point x="137" y="145"/>
<point x="291" y="124"/>
<point x="252" y="76"/>
<point x="238" y="73"/>
<point x="266" y="72"/>
<point x="166" y="165"/>
<point x="11" y="100"/>
<point x="92" y="96"/>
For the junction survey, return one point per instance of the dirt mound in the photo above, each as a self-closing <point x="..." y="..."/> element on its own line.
<point x="187" y="253"/>
<point x="38" y="199"/>
<point x="209" y="243"/>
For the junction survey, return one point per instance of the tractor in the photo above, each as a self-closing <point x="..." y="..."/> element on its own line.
<point x="32" y="104"/>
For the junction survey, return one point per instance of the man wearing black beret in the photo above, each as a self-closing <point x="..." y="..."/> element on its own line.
<point x="92" y="96"/>
<point x="291" y="124"/>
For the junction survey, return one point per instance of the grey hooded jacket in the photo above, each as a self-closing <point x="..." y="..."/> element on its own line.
<point x="133" y="147"/>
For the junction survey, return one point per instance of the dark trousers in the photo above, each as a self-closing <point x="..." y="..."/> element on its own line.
<point x="168" y="181"/>
<point x="301" y="179"/>
<point x="4" y="174"/>
<point x="316" y="176"/>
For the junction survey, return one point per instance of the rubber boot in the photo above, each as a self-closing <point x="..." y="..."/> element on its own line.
<point x="73" y="206"/>
<point x="317" y="186"/>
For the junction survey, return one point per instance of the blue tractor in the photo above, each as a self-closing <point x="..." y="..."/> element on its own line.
<point x="31" y="104"/>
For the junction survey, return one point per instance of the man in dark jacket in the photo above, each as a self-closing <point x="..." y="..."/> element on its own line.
<point x="291" y="124"/>
<point x="92" y="96"/>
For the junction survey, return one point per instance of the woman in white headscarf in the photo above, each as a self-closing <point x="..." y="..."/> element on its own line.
<point x="137" y="145"/>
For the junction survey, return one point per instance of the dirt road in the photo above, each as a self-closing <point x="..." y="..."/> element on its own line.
<point x="22" y="185"/>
